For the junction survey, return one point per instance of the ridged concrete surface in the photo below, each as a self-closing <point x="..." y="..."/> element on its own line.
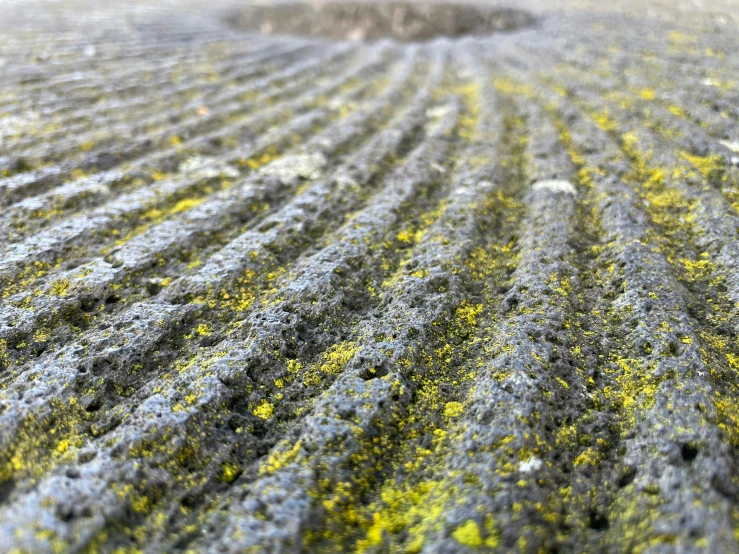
<point x="279" y="294"/>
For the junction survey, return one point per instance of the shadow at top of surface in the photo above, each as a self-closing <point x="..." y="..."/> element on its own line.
<point x="368" y="21"/>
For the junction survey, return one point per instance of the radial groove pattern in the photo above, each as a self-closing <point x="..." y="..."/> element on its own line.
<point x="273" y="293"/>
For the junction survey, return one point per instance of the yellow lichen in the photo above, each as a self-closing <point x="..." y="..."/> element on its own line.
<point x="468" y="534"/>
<point x="293" y="366"/>
<point x="468" y="312"/>
<point x="60" y="288"/>
<point x="453" y="409"/>
<point x="710" y="167"/>
<point x="229" y="472"/>
<point x="282" y="456"/>
<point x="337" y="357"/>
<point x="264" y="410"/>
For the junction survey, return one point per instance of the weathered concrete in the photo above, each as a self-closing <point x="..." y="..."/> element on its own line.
<point x="470" y="290"/>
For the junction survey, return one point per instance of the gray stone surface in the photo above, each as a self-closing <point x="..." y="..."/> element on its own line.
<point x="470" y="291"/>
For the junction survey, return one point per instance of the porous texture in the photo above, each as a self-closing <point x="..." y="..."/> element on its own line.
<point x="269" y="293"/>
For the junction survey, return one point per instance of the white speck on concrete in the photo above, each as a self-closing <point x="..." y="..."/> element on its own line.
<point x="289" y="168"/>
<point x="733" y="146"/>
<point x="554" y="185"/>
<point x="207" y="167"/>
<point x="438" y="112"/>
<point x="532" y="464"/>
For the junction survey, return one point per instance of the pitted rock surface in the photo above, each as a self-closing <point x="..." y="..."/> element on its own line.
<point x="394" y="277"/>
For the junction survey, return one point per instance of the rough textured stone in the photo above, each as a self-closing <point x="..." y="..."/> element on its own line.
<point x="317" y="289"/>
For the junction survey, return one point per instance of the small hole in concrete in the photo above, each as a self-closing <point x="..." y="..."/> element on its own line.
<point x="627" y="476"/>
<point x="689" y="452"/>
<point x="402" y="21"/>
<point x="599" y="522"/>
<point x="372" y="373"/>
